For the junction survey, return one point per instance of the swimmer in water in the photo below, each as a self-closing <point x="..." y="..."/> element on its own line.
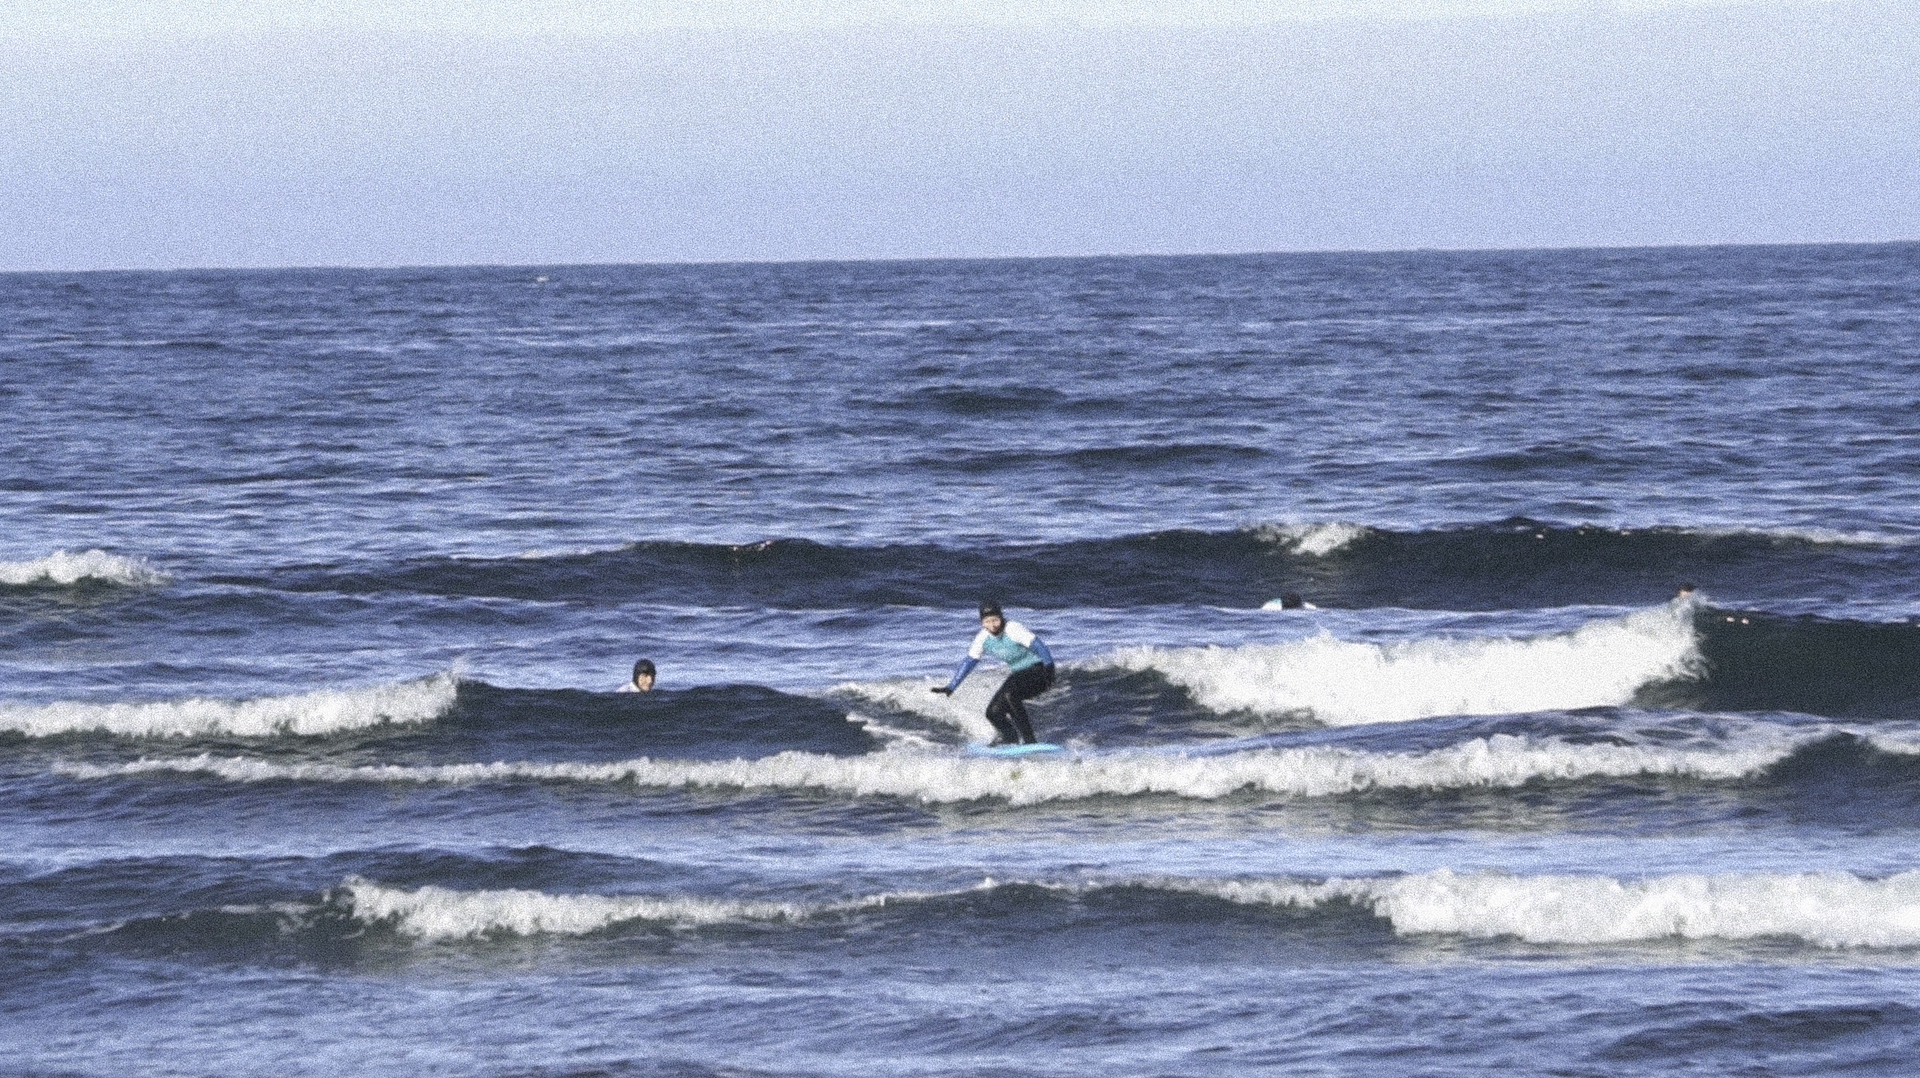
<point x="642" y="678"/>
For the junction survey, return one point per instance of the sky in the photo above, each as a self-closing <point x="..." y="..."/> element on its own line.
<point x="141" y="134"/>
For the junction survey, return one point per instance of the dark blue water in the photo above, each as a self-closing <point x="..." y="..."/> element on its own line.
<point x="315" y="586"/>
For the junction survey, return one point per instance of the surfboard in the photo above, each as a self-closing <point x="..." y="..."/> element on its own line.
<point x="1014" y="750"/>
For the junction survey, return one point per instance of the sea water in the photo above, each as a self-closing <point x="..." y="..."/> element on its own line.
<point x="315" y="586"/>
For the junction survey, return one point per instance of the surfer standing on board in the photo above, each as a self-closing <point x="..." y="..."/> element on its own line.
<point x="1026" y="655"/>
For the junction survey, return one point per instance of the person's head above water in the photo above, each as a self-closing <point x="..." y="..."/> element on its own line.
<point x="1292" y="601"/>
<point x="992" y="618"/>
<point x="643" y="674"/>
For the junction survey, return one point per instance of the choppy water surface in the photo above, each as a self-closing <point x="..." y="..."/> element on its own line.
<point x="314" y="587"/>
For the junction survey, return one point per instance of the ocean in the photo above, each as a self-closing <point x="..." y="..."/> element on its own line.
<point x="316" y="586"/>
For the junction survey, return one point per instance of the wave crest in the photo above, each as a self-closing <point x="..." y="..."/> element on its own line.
<point x="1497" y="761"/>
<point x="1828" y="909"/>
<point x="307" y="714"/>
<point x="63" y="569"/>
<point x="440" y="913"/>
<point x="1313" y="540"/>
<point x="1344" y="682"/>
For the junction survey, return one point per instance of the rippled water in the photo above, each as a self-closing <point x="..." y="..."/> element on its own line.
<point x="314" y="587"/>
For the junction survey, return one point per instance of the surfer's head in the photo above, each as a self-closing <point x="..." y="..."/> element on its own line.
<point x="643" y="674"/>
<point x="992" y="618"/>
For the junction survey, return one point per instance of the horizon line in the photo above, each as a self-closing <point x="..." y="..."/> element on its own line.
<point x="902" y="259"/>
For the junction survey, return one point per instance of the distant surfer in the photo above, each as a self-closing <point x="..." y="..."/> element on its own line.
<point x="643" y="673"/>
<point x="1289" y="601"/>
<point x="1026" y="655"/>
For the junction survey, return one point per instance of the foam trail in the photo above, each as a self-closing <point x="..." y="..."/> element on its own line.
<point x="439" y="913"/>
<point x="67" y="569"/>
<point x="1344" y="682"/>
<point x="1499" y="761"/>
<point x="1829" y="909"/>
<point x="964" y="711"/>
<point x="324" y="712"/>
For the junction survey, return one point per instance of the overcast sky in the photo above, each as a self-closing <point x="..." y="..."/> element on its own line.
<point x="147" y="134"/>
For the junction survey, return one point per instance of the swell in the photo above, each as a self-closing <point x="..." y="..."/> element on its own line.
<point x="1672" y="656"/>
<point x="1493" y="761"/>
<point x="1757" y="661"/>
<point x="1680" y="655"/>
<point x="1827" y="910"/>
<point x="324" y="711"/>
<point x="442" y="716"/>
<point x="1513" y="564"/>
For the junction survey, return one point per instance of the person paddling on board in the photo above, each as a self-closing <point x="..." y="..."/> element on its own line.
<point x="1026" y="655"/>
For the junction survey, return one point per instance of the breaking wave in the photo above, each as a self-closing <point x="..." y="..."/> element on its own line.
<point x="64" y="570"/>
<point x="1496" y="761"/>
<point x="1344" y="682"/>
<point x="1825" y="909"/>
<point x="323" y="712"/>
<point x="1312" y="540"/>
<point x="1828" y="909"/>
<point x="440" y="913"/>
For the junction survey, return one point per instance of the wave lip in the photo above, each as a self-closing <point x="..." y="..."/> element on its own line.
<point x="1313" y="540"/>
<point x="65" y="570"/>
<point x="439" y="913"/>
<point x="1812" y="536"/>
<point x="306" y="714"/>
<point x="1827" y="909"/>
<point x="1343" y="682"/>
<point x="1500" y="761"/>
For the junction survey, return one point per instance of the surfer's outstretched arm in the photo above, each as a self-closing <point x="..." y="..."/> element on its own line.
<point x="959" y="675"/>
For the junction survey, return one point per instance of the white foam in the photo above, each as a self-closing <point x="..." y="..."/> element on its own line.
<point x="1893" y="744"/>
<point x="1344" y="682"/>
<point x="439" y="913"/>
<point x="1313" y="540"/>
<point x="65" y="569"/>
<point x="1816" y="536"/>
<point x="893" y="737"/>
<point x="964" y="711"/>
<point x="1829" y="909"/>
<point x="1499" y="761"/>
<point x="324" y="712"/>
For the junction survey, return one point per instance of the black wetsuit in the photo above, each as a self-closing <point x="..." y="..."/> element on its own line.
<point x="1007" y="711"/>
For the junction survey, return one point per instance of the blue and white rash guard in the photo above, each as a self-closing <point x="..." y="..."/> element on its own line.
<point x="1016" y="646"/>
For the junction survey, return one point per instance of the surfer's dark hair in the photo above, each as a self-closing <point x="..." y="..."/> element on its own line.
<point x="992" y="609"/>
<point x="644" y="666"/>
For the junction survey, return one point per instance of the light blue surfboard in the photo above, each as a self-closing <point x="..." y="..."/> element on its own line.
<point x="1014" y="750"/>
